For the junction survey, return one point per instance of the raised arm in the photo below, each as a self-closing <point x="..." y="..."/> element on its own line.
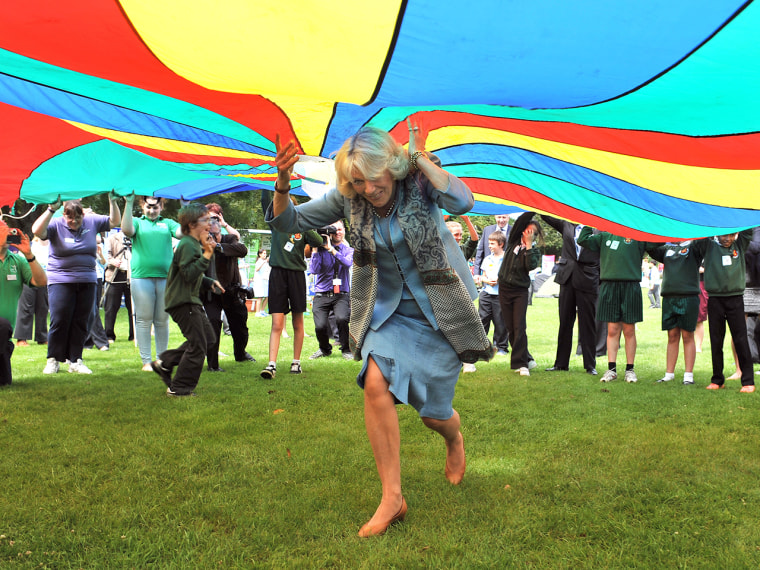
<point x="114" y="215"/>
<point x="40" y="226"/>
<point x="127" y="224"/>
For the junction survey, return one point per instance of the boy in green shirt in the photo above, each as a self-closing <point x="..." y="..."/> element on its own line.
<point x="680" y="303"/>
<point x="184" y="283"/>
<point x="725" y="278"/>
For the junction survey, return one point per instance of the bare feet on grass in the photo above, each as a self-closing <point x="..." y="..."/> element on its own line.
<point x="455" y="460"/>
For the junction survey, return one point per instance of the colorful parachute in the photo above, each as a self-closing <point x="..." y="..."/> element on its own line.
<point x="636" y="116"/>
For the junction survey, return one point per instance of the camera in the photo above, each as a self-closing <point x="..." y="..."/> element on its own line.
<point x="14" y="237"/>
<point x="326" y="232"/>
<point x="240" y="292"/>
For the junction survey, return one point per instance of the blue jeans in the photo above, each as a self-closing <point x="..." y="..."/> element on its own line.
<point x="148" y="297"/>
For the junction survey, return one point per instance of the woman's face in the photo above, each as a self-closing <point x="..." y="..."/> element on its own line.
<point x="263" y="255"/>
<point x="152" y="209"/>
<point x="378" y="192"/>
<point x="74" y="222"/>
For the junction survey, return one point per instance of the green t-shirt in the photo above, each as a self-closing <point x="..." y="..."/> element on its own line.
<point x="725" y="267"/>
<point x="287" y="250"/>
<point x="619" y="257"/>
<point x="14" y="274"/>
<point x="152" y="247"/>
<point x="186" y="274"/>
<point x="681" y="275"/>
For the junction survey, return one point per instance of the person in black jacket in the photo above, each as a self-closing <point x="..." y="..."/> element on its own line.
<point x="224" y="267"/>
<point x="578" y="278"/>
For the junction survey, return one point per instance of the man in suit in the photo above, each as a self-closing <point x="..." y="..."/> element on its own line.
<point x="578" y="278"/>
<point x="502" y="224"/>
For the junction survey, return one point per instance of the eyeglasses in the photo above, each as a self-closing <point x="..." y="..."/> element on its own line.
<point x="203" y="220"/>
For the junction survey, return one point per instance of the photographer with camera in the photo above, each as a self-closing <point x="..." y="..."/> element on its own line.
<point x="331" y="264"/>
<point x="16" y="270"/>
<point x="228" y="250"/>
<point x="117" y="283"/>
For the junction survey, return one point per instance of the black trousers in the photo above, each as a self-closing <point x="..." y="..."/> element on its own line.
<point x="489" y="311"/>
<point x="340" y="304"/>
<point x="112" y="304"/>
<point x="722" y="311"/>
<point x="237" y="317"/>
<point x="32" y="315"/>
<point x="514" y="309"/>
<point x="572" y="301"/>
<point x="189" y="356"/>
<point x="6" y="350"/>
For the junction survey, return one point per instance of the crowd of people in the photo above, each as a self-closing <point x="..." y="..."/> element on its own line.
<point x="396" y="291"/>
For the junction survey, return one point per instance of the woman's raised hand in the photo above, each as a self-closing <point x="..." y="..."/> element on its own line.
<point x="285" y="160"/>
<point x="418" y="134"/>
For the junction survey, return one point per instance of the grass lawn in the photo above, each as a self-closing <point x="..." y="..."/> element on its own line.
<point x="105" y="471"/>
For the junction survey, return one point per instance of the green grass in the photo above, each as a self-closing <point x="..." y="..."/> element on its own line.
<point x="105" y="471"/>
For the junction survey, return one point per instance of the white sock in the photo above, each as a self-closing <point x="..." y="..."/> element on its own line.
<point x="688" y="376"/>
<point x="669" y="375"/>
<point x="272" y="363"/>
<point x="296" y="361"/>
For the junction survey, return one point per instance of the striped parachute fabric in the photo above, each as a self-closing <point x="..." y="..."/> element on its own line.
<point x="639" y="117"/>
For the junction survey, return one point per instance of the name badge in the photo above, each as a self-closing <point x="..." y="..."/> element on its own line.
<point x="161" y="225"/>
<point x="68" y="240"/>
<point x="337" y="282"/>
<point x="12" y="277"/>
<point x="726" y="260"/>
<point x="288" y="246"/>
<point x="614" y="245"/>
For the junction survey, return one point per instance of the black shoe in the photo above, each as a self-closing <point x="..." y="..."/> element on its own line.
<point x="246" y="358"/>
<point x="558" y="369"/>
<point x="173" y="394"/>
<point x="591" y="371"/>
<point x="166" y="375"/>
<point x="217" y="369"/>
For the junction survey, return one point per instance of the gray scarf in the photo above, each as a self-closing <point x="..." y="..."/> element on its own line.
<point x="452" y="307"/>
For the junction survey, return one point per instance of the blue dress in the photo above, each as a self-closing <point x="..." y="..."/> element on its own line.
<point x="413" y="355"/>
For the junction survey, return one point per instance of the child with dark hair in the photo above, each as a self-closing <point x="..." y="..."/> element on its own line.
<point x="725" y="279"/>
<point x="184" y="284"/>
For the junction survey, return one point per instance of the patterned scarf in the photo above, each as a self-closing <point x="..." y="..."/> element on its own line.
<point x="453" y="309"/>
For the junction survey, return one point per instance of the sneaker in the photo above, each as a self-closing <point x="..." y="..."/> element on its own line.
<point x="714" y="386"/>
<point x="319" y="354"/>
<point x="78" y="367"/>
<point x="532" y="364"/>
<point x="524" y="371"/>
<point x="666" y="378"/>
<point x="747" y="389"/>
<point x="104" y="347"/>
<point x="295" y="367"/>
<point x="269" y="371"/>
<point x="502" y="353"/>
<point x="468" y="367"/>
<point x="51" y="367"/>
<point x="630" y="376"/>
<point x="687" y="382"/>
<point x="147" y="367"/>
<point x="348" y="355"/>
<point x="608" y="376"/>
<point x="166" y="375"/>
<point x="172" y="393"/>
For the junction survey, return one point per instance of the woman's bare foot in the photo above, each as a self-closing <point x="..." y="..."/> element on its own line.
<point x="735" y="376"/>
<point x="455" y="460"/>
<point x="387" y="513"/>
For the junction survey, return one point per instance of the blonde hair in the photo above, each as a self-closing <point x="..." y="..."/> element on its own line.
<point x="371" y="151"/>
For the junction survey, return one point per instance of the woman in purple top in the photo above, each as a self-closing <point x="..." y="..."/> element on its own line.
<point x="72" y="279"/>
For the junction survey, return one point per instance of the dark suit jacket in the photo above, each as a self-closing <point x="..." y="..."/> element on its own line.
<point x="583" y="273"/>
<point x="482" y="252"/>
